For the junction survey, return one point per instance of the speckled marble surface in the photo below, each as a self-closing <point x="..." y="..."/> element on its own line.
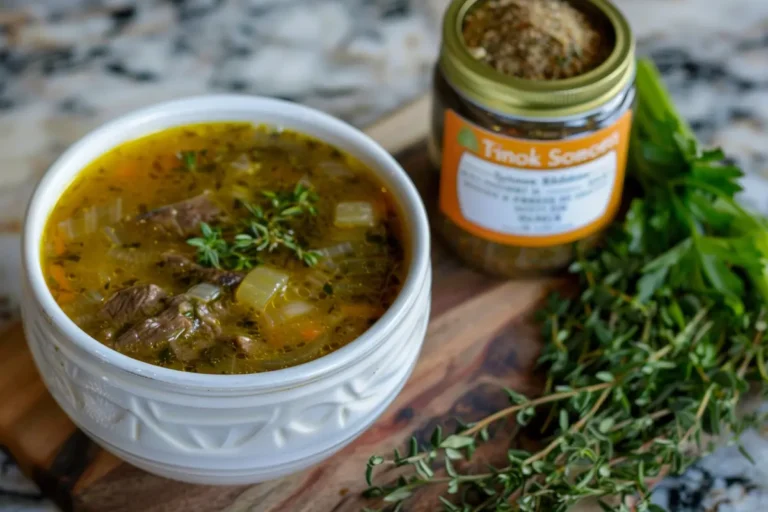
<point x="67" y="66"/>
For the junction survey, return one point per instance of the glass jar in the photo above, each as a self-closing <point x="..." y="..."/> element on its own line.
<point x="531" y="171"/>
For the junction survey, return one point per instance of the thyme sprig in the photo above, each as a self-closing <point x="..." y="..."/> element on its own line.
<point x="645" y="364"/>
<point x="212" y="249"/>
<point x="269" y="227"/>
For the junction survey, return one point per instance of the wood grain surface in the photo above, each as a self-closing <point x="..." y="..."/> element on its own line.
<point x="481" y="338"/>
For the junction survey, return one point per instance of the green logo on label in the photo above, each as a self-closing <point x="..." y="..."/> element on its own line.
<point x="467" y="139"/>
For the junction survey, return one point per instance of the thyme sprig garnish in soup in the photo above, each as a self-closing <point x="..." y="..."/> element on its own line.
<point x="224" y="248"/>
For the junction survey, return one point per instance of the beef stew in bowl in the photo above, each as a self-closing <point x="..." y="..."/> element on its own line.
<point x="204" y="427"/>
<point x="224" y="248"/>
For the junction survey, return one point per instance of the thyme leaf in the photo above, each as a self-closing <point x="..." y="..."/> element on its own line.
<point x="211" y="247"/>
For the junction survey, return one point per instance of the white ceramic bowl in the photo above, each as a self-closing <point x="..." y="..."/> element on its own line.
<point x="225" y="429"/>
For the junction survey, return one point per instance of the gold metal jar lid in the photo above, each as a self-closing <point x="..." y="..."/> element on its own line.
<point x="482" y="84"/>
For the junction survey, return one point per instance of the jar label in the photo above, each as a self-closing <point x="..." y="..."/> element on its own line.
<point x="532" y="193"/>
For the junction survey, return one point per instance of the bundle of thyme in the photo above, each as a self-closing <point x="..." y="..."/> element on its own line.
<point x="645" y="364"/>
<point x="268" y="227"/>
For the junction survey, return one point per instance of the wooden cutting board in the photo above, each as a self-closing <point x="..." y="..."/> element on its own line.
<point x="481" y="338"/>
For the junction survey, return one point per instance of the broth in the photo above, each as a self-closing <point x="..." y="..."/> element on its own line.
<point x="224" y="248"/>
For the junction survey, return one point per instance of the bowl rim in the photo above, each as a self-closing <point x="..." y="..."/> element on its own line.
<point x="362" y="146"/>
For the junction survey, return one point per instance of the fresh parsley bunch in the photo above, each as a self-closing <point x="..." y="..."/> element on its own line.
<point x="646" y="362"/>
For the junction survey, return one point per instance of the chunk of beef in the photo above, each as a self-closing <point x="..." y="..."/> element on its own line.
<point x="183" y="218"/>
<point x="175" y="321"/>
<point x="130" y="304"/>
<point x="183" y="267"/>
<point x="207" y="330"/>
<point x="188" y="327"/>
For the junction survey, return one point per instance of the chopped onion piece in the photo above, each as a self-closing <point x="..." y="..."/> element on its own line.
<point x="204" y="292"/>
<point x="241" y="163"/>
<point x="337" y="250"/>
<point x="133" y="256"/>
<point x="354" y="214"/>
<point x="111" y="234"/>
<point x="94" y="296"/>
<point x="116" y="210"/>
<point x="260" y="286"/>
<point x="295" y="309"/>
<point x="316" y="278"/>
<point x="102" y="215"/>
<point x="269" y="319"/>
<point x="88" y="220"/>
<point x="67" y="229"/>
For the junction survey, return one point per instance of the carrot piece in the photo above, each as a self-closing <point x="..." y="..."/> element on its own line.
<point x="59" y="245"/>
<point x="310" y="331"/>
<point x="60" y="276"/>
<point x="64" y="292"/>
<point x="127" y="169"/>
<point x="168" y="162"/>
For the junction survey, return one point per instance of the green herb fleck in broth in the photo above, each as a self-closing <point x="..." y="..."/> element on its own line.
<point x="189" y="160"/>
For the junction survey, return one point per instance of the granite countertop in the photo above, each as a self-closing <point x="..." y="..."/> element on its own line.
<point x="67" y="66"/>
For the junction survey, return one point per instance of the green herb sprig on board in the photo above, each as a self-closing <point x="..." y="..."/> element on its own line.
<point x="267" y="228"/>
<point x="651" y="358"/>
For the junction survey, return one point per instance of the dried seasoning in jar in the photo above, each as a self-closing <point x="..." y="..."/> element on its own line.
<point x="534" y="39"/>
<point x="530" y="129"/>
